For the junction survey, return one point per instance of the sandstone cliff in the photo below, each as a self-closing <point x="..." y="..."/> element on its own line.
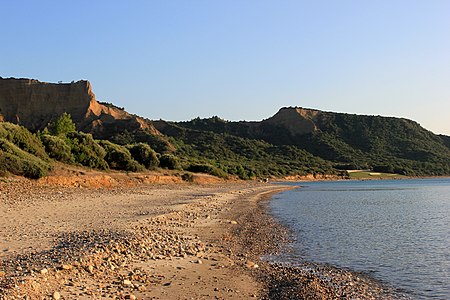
<point x="34" y="104"/>
<point x="296" y="120"/>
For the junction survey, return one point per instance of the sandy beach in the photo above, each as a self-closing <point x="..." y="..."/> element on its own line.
<point x="153" y="241"/>
<point x="144" y="242"/>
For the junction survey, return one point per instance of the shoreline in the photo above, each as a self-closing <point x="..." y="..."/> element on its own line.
<point x="307" y="280"/>
<point x="156" y="242"/>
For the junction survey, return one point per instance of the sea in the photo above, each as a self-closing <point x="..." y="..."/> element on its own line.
<point x="395" y="231"/>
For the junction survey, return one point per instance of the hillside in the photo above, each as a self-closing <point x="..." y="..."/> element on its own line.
<point x="445" y="139"/>
<point x="294" y="142"/>
<point x="349" y="141"/>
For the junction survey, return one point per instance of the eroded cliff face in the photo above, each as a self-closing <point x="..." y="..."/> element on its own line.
<point x="296" y="120"/>
<point x="34" y="104"/>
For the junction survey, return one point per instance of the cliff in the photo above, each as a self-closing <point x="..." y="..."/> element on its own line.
<point x="34" y="104"/>
<point x="295" y="120"/>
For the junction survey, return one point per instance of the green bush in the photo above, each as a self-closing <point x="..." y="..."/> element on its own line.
<point x="208" y="169"/>
<point x="16" y="161"/>
<point x="23" y="139"/>
<point x="119" y="158"/>
<point x="57" y="148"/>
<point x="144" y="154"/>
<point x="86" y="151"/>
<point x="63" y="125"/>
<point x="169" y="161"/>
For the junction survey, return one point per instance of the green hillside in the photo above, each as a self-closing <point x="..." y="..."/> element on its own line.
<point x="244" y="157"/>
<point x="294" y="141"/>
<point x="349" y="141"/>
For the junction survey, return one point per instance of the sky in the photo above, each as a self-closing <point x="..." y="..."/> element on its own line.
<point x="239" y="60"/>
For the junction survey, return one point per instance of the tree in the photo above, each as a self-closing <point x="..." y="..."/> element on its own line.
<point x="63" y="125"/>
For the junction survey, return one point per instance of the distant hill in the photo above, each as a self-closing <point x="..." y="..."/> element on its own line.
<point x="295" y="141"/>
<point x="349" y="141"/>
<point x="445" y="139"/>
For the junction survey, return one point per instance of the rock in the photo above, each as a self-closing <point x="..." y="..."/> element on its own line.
<point x="44" y="271"/>
<point x="126" y="282"/>
<point x="66" y="267"/>
<point x="2" y="273"/>
<point x="56" y="295"/>
<point x="251" y="265"/>
<point x="131" y="297"/>
<point x="233" y="222"/>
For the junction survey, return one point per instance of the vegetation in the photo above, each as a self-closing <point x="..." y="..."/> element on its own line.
<point x="247" y="150"/>
<point x="118" y="157"/>
<point x="169" y="161"/>
<point x="23" y="139"/>
<point x="208" y="169"/>
<point x="86" y="151"/>
<point x="30" y="155"/>
<point x="145" y="155"/>
<point x="62" y="126"/>
<point x="16" y="161"/>
<point x="57" y="148"/>
<point x="346" y="141"/>
<point x="241" y="157"/>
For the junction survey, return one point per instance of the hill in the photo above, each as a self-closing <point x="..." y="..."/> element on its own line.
<point x="294" y="142"/>
<point x="349" y="141"/>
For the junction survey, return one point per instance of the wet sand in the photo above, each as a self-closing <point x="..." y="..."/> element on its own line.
<point x="175" y="241"/>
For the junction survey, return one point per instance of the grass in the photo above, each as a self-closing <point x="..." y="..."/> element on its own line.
<point x="374" y="175"/>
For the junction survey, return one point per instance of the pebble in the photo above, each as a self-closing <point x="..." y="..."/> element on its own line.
<point x="66" y="267"/>
<point x="251" y="265"/>
<point x="126" y="282"/>
<point x="56" y="295"/>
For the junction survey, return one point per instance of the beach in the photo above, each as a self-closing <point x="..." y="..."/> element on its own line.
<point x="154" y="241"/>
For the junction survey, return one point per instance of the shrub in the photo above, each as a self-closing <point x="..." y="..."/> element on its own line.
<point x="63" y="125"/>
<point x="187" y="177"/>
<point x="208" y="169"/>
<point x="119" y="158"/>
<point x="57" y="148"/>
<point x="16" y="161"/>
<point x="383" y="168"/>
<point x="144" y="154"/>
<point x="169" y="161"/>
<point x="23" y="139"/>
<point x="86" y="151"/>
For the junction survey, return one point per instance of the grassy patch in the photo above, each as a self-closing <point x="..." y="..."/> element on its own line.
<point x="373" y="175"/>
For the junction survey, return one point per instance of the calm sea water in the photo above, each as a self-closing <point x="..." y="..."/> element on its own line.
<point x="397" y="231"/>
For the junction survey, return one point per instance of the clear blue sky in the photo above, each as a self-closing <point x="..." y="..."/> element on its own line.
<point x="240" y="60"/>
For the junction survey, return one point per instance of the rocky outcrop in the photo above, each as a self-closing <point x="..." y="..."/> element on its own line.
<point x="296" y="120"/>
<point x="34" y="104"/>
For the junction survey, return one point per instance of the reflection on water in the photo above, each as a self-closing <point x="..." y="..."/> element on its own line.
<point x="396" y="230"/>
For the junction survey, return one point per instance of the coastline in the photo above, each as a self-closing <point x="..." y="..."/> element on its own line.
<point x="176" y="241"/>
<point x="262" y="236"/>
